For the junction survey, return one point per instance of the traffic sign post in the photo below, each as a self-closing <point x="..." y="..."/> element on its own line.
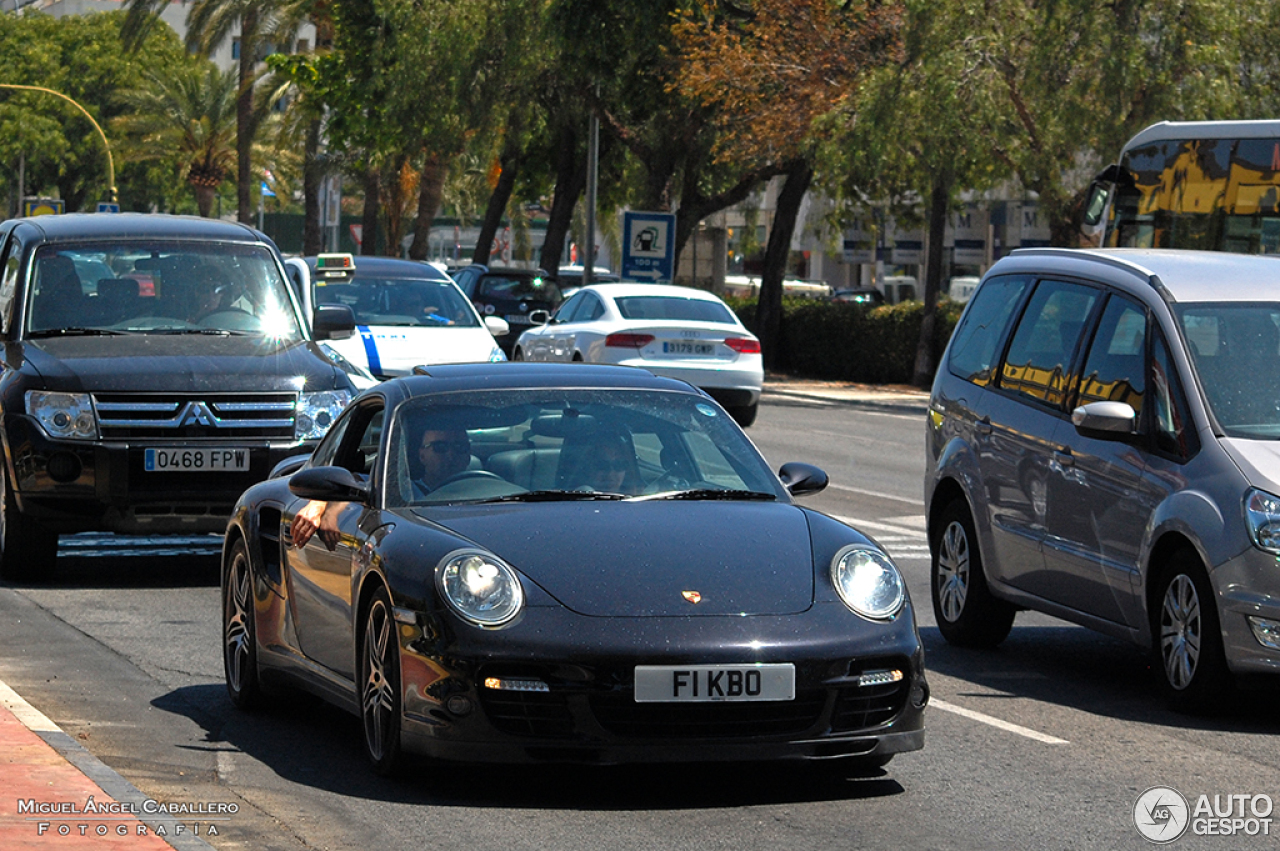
<point x="648" y="246"/>
<point x="108" y="207"/>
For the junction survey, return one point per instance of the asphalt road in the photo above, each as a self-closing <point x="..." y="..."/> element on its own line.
<point x="1047" y="742"/>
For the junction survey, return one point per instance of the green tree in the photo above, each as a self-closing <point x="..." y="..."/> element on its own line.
<point x="187" y="113"/>
<point x="80" y="57"/>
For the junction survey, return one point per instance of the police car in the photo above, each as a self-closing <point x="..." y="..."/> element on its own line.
<point x="407" y="313"/>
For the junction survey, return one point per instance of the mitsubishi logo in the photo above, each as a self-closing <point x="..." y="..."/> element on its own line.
<point x="197" y="413"/>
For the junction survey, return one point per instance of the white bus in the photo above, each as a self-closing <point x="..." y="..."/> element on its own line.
<point x="1193" y="184"/>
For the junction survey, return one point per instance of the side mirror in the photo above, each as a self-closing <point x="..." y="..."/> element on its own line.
<point x="333" y="322"/>
<point x="1105" y="420"/>
<point x="1096" y="203"/>
<point x="539" y="317"/>
<point x="802" y="479"/>
<point x="328" y="484"/>
<point x="497" y="326"/>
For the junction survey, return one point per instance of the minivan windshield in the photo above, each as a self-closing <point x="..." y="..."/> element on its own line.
<point x="1236" y="351"/>
<point x="159" y="287"/>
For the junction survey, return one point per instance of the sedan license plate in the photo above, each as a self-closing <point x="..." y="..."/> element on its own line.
<point x="680" y="347"/>
<point x="709" y="683"/>
<point x="517" y="319"/>
<point x="183" y="460"/>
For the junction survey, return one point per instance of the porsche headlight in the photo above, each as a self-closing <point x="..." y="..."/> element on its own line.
<point x="480" y="587"/>
<point x="868" y="581"/>
<point x="316" y="412"/>
<point x="64" y="415"/>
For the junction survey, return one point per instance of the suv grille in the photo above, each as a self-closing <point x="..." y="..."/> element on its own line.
<point x="210" y="416"/>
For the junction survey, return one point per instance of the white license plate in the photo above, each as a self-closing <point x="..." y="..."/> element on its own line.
<point x="705" y="683"/>
<point x="680" y="347"/>
<point x="182" y="460"/>
<point x="518" y="319"/>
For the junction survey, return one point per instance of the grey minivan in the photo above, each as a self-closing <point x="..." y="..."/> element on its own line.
<point x="1104" y="446"/>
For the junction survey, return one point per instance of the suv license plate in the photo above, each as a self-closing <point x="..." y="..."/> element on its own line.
<point x="707" y="683"/>
<point x="179" y="460"/>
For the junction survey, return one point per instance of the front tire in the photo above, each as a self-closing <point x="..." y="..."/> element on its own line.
<point x="240" y="632"/>
<point x="518" y="354"/>
<point x="1187" y="638"/>
<point x="380" y="685"/>
<point x="27" y="549"/>
<point x="966" y="612"/>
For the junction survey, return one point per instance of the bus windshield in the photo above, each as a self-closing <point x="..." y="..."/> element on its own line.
<point x="1198" y="185"/>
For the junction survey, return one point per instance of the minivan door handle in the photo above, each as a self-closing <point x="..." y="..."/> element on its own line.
<point x="983" y="425"/>
<point x="1064" y="457"/>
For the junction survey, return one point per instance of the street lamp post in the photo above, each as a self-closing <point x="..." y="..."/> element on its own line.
<point x="111" y="167"/>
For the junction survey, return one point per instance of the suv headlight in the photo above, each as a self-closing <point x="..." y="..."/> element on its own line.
<point x="868" y="581"/>
<point x="64" y="415"/>
<point x="316" y="412"/>
<point x="1262" y="516"/>
<point x="480" y="587"/>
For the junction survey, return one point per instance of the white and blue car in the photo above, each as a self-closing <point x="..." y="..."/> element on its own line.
<point x="407" y="314"/>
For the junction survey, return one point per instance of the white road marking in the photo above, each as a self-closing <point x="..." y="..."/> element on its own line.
<point x="907" y="532"/>
<point x="996" y="722"/>
<point x="877" y="494"/>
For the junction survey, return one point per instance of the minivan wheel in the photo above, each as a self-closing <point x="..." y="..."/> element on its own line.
<point x="966" y="612"/>
<point x="27" y="549"/>
<point x="1187" y="638"/>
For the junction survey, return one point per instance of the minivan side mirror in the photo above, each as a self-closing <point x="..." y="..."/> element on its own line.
<point x="1105" y="420"/>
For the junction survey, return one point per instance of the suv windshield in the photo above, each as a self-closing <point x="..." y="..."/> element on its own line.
<point x="1236" y="351"/>
<point x="143" y="286"/>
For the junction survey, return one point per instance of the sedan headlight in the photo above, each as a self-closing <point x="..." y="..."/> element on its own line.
<point x="316" y="412"/>
<point x="868" y="581"/>
<point x="1262" y="516"/>
<point x="64" y="415"/>
<point x="480" y="587"/>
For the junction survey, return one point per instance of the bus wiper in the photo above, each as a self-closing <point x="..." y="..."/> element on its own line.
<point x="556" y="496"/>
<point x="74" y="332"/>
<point x="709" y="493"/>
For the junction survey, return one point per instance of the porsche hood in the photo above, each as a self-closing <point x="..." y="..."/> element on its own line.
<point x="652" y="559"/>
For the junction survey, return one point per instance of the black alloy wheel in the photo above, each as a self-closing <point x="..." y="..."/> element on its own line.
<point x="380" y="685"/>
<point x="240" y="631"/>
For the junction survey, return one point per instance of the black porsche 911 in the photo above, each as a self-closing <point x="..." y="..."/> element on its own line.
<point x="567" y="563"/>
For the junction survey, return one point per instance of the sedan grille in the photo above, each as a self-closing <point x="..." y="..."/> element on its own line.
<point x="215" y="416"/>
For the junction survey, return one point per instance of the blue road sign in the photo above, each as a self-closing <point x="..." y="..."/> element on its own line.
<point x="648" y="246"/>
<point x="108" y="207"/>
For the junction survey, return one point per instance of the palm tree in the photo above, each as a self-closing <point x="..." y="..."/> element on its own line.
<point x="209" y="24"/>
<point x="190" y="110"/>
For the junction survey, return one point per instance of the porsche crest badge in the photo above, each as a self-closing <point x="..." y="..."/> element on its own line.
<point x="691" y="596"/>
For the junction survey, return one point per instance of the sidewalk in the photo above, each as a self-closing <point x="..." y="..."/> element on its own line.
<point x="900" y="398"/>
<point x="55" y="794"/>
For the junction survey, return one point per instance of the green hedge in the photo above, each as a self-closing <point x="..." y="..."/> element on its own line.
<point x="853" y="342"/>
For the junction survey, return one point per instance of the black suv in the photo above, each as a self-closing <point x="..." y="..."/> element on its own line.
<point x="509" y="293"/>
<point x="154" y="368"/>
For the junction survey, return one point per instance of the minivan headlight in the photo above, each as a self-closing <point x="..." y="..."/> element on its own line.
<point x="868" y="581"/>
<point x="64" y="415"/>
<point x="1262" y="516"/>
<point x="480" y="587"/>
<point x="316" y="412"/>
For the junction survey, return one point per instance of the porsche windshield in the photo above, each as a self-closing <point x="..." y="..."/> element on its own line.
<point x="146" y="286"/>
<point x="543" y="444"/>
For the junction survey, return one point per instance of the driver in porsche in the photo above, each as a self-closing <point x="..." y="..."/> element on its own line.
<point x="442" y="454"/>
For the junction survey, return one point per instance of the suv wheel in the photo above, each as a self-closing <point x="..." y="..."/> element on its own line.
<point x="27" y="549"/>
<point x="1187" y="638"/>
<point x="966" y="612"/>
